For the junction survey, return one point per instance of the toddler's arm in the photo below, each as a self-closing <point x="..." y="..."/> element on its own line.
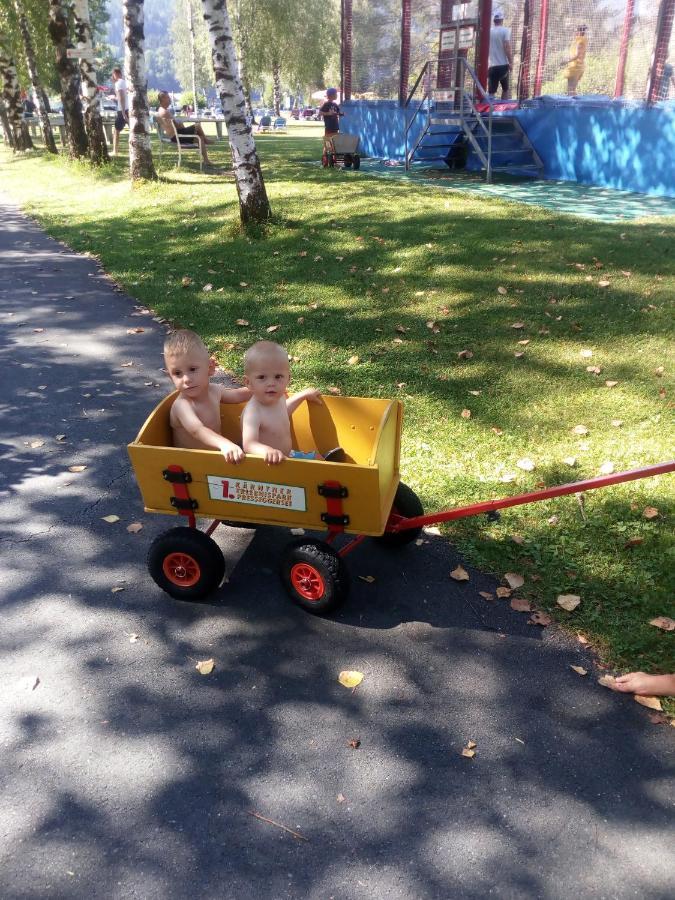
<point x="187" y="418"/>
<point x="641" y="683"/>
<point x="250" y="430"/>
<point x="311" y="395"/>
<point x="234" y="395"/>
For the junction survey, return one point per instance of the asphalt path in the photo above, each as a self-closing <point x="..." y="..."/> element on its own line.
<point x="124" y="773"/>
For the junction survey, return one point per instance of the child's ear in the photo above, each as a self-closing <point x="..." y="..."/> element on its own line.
<point x="247" y="381"/>
<point x="212" y="365"/>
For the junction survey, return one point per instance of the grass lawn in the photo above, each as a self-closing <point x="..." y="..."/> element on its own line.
<point x="405" y="278"/>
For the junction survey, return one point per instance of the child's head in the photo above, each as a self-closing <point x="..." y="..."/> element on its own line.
<point x="266" y="371"/>
<point x="188" y="363"/>
<point x="331" y="93"/>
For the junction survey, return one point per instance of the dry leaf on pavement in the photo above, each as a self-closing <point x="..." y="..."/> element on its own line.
<point x="350" y="678"/>
<point x="205" y="666"/>
<point x="579" y="670"/>
<point x="520" y="605"/>
<point x="76" y="468"/>
<point x="486" y="595"/>
<point x="459" y="574"/>
<point x="134" y="528"/>
<point x="110" y="519"/>
<point x="503" y="592"/>
<point x="369" y="578"/>
<point x="540" y="618"/>
<point x="649" y="702"/>
<point x="607" y="681"/>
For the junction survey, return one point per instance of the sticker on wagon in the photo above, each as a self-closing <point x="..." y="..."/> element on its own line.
<point x="256" y="493"/>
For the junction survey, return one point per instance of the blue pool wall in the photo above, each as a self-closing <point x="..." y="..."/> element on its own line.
<point x="625" y="145"/>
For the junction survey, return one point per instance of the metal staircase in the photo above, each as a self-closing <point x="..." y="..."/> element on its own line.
<point x="443" y="119"/>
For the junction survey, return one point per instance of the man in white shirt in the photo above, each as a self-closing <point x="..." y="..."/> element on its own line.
<point x="501" y="58"/>
<point x="122" y="98"/>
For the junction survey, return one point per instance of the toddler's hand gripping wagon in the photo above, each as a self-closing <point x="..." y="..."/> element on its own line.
<point x="362" y="496"/>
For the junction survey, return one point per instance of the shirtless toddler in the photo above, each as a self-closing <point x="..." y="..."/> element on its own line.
<point x="265" y="422"/>
<point x="195" y="414"/>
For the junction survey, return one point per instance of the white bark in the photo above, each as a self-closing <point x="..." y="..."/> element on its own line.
<point x="193" y="56"/>
<point x="253" y="203"/>
<point x="38" y="89"/>
<point x="69" y="77"/>
<point x="98" y="149"/>
<point x="12" y="101"/>
<point x="141" y="165"/>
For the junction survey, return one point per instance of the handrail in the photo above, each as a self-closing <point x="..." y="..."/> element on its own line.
<point x="480" y="90"/>
<point x="419" y="78"/>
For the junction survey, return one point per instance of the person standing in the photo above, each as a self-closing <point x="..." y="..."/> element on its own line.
<point x="122" y="99"/>
<point x="500" y="60"/>
<point x="576" y="63"/>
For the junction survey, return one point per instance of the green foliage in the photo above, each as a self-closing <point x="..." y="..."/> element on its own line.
<point x="187" y="99"/>
<point x="181" y="47"/>
<point x="153" y="98"/>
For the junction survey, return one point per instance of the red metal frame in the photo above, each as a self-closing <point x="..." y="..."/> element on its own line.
<point x="484" y="25"/>
<point x="525" y="54"/>
<point x="541" y="56"/>
<point x="623" y="49"/>
<point x="485" y="506"/>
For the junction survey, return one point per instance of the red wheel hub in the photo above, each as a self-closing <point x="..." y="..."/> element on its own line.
<point x="181" y="569"/>
<point x="307" y="581"/>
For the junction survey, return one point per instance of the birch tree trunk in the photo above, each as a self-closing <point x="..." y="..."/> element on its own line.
<point x="38" y="90"/>
<point x="243" y="66"/>
<point x="193" y="56"/>
<point x="4" y="122"/>
<point x="98" y="149"/>
<point x="141" y="165"/>
<point x="70" y="81"/>
<point x="276" y="82"/>
<point x="254" y="206"/>
<point x="12" y="101"/>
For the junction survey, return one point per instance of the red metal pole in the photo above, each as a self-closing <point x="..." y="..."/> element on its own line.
<point x="405" y="52"/>
<point x="525" y="54"/>
<point x="541" y="57"/>
<point x="623" y="49"/>
<point x="347" y="51"/>
<point x="484" y="25"/>
<point x="576" y="487"/>
<point x="664" y="28"/>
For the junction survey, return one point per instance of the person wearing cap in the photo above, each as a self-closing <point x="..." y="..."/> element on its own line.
<point x="500" y="58"/>
<point x="575" y="65"/>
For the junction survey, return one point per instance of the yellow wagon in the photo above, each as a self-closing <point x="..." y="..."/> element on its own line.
<point x="361" y="495"/>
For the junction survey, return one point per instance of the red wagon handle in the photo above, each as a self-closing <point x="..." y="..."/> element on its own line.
<point x="576" y="487"/>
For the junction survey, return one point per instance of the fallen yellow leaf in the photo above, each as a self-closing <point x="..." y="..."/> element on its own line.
<point x="470" y="745"/>
<point x="134" y="528"/>
<point x="568" y="601"/>
<point x="466" y="413"/>
<point x="520" y="605"/>
<point x="205" y="666"/>
<point x="369" y="578"/>
<point x="110" y="519"/>
<point x="649" y="702"/>
<point x="468" y="753"/>
<point x="650" y="512"/>
<point x="352" y="361"/>
<point x="579" y="670"/>
<point x="350" y="679"/>
<point x="459" y="574"/>
<point x="503" y="592"/>
<point x="514" y="580"/>
<point x="663" y="622"/>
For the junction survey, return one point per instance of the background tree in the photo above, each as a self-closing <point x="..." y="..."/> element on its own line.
<point x="141" y="165"/>
<point x="182" y="46"/>
<point x="12" y="101"/>
<point x="254" y="206"/>
<point x="41" y="102"/>
<point x="98" y="149"/>
<point x="69" y="78"/>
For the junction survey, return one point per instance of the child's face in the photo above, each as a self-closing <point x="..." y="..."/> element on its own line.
<point x="268" y="377"/>
<point x="190" y="372"/>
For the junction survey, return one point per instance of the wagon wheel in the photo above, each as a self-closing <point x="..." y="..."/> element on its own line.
<point x="314" y="575"/>
<point x="406" y="505"/>
<point x="186" y="563"/>
<point x="357" y="161"/>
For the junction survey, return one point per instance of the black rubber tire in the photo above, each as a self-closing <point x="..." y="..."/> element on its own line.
<point x="357" y="162"/>
<point x="349" y="161"/>
<point x="206" y="555"/>
<point x="408" y="504"/>
<point x="331" y="160"/>
<point x="319" y="558"/>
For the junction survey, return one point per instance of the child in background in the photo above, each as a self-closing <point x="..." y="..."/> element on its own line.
<point x="265" y="422"/>
<point x="195" y="414"/>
